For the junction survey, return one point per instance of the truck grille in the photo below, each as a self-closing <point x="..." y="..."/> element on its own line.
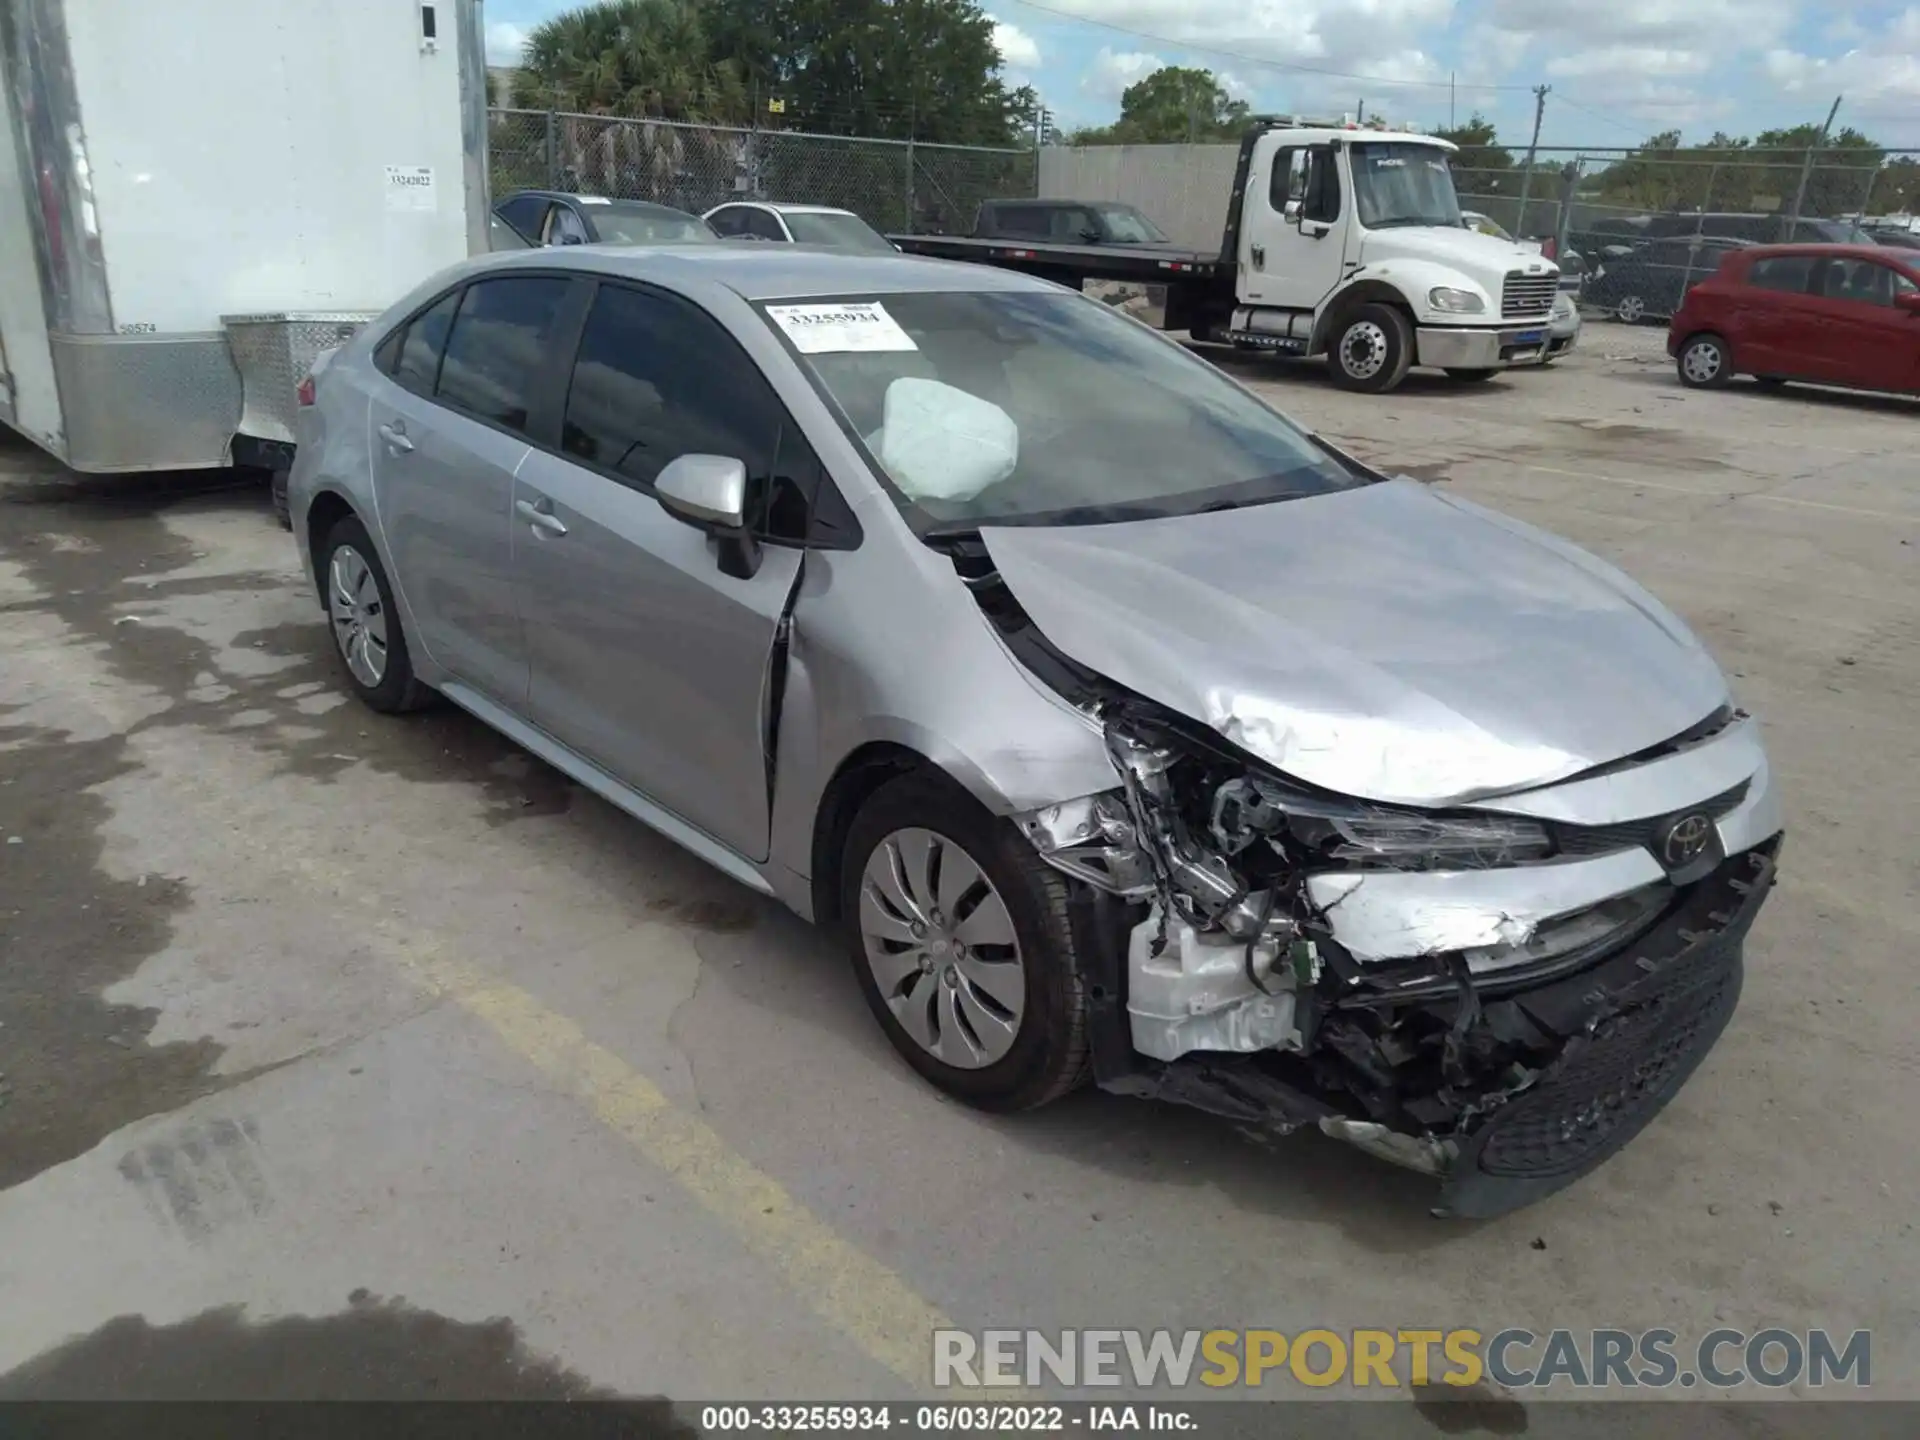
<point x="1525" y="294"/>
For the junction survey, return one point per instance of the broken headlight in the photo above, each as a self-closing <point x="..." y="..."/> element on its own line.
<point x="1353" y="832"/>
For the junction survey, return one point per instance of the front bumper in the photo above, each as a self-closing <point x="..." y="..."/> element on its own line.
<point x="1448" y="348"/>
<point x="1558" y="1074"/>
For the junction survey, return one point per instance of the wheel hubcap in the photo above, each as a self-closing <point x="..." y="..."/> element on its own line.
<point x="1701" y="362"/>
<point x="940" y="943"/>
<point x="1363" y="350"/>
<point x="1632" y="308"/>
<point x="359" y="619"/>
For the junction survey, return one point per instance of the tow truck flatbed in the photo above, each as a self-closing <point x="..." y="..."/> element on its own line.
<point x="1141" y="264"/>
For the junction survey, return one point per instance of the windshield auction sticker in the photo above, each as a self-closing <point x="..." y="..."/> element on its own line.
<point x="841" y="329"/>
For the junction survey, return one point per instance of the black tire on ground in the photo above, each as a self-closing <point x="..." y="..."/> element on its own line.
<point x="1471" y="377"/>
<point x="398" y="689"/>
<point x="1049" y="1053"/>
<point x="1372" y="350"/>
<point x="1704" y="362"/>
<point x="277" y="489"/>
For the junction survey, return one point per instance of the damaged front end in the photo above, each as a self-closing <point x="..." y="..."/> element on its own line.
<point x="1496" y="1000"/>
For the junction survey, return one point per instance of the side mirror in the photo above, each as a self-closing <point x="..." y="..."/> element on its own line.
<point x="709" y="492"/>
<point x="1908" y="300"/>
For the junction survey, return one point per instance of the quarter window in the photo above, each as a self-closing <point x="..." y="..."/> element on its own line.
<point x="499" y="339"/>
<point x="1782" y="272"/>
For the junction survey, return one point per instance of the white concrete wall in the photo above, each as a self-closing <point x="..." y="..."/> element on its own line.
<point x="1181" y="188"/>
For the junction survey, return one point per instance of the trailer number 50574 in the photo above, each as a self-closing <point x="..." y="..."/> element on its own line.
<point x="138" y="327"/>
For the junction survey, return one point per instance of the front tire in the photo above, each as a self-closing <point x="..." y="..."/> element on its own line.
<point x="960" y="938"/>
<point x="1704" y="363"/>
<point x="368" y="637"/>
<point x="1471" y="377"/>
<point x="1372" y="351"/>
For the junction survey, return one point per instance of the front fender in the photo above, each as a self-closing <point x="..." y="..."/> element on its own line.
<point x="1408" y="280"/>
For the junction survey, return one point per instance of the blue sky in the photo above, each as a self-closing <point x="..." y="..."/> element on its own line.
<point x="1620" y="69"/>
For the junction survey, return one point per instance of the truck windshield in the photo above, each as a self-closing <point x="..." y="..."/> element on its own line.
<point x="1127" y="226"/>
<point x="1402" y="182"/>
<point x="1019" y="408"/>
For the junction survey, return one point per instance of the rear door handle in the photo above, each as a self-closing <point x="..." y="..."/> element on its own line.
<point x="539" y="514"/>
<point x="396" y="437"/>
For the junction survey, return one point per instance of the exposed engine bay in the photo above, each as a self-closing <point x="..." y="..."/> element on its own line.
<point x="1499" y="1000"/>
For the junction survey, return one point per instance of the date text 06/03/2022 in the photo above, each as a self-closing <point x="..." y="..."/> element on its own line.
<point x="941" y="1419"/>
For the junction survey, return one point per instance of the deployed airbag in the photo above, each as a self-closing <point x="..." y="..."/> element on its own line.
<point x="940" y="443"/>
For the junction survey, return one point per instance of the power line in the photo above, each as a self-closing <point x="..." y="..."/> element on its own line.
<point x="1247" y="59"/>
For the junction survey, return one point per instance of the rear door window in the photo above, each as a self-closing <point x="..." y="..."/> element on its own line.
<point x="497" y="345"/>
<point x="1788" y="273"/>
<point x="729" y="220"/>
<point x="523" y="213"/>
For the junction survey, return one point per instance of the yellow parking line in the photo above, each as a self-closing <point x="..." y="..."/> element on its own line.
<point x="865" y="1301"/>
<point x="873" y="1307"/>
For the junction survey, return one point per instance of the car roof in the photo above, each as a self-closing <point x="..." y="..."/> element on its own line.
<point x="1832" y="251"/>
<point x="650" y="207"/>
<point x="769" y="272"/>
<point x="788" y="209"/>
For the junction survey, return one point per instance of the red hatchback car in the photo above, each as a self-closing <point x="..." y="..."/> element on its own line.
<point x="1829" y="314"/>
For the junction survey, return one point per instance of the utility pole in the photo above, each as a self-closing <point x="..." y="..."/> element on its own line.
<point x="1360" y="114"/>
<point x="1806" y="169"/>
<point x="1533" y="145"/>
<point x="1452" y="122"/>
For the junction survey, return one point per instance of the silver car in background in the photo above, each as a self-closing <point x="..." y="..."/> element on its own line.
<point x="1128" y="732"/>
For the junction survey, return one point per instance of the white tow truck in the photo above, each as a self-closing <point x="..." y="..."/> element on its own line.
<point x="1340" y="240"/>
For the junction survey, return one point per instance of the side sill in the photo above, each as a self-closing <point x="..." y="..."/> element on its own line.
<point x="686" y="836"/>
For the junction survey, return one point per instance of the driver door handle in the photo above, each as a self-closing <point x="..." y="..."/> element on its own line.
<point x="396" y="437"/>
<point x="1259" y="256"/>
<point x="539" y="514"/>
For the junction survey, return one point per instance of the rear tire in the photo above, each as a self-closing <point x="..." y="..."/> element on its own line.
<point x="1471" y="377"/>
<point x="1021" y="1036"/>
<point x="1372" y="350"/>
<point x="1631" y="310"/>
<point x="369" y="640"/>
<point x="1704" y="363"/>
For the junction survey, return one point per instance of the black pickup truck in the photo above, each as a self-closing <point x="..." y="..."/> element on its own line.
<point x="1070" y="241"/>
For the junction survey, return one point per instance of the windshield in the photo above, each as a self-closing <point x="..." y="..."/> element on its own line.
<point x="648" y="225"/>
<point x="1127" y="226"/>
<point x="848" y="232"/>
<point x="1036" y="409"/>
<point x="1838" y="232"/>
<point x="1403" y="183"/>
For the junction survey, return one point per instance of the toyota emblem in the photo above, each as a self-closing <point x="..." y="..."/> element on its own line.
<point x="1686" y="840"/>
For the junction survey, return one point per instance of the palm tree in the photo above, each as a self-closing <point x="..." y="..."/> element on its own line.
<point x="634" y="58"/>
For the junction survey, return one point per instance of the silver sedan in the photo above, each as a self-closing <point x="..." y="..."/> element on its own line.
<point x="1128" y="732"/>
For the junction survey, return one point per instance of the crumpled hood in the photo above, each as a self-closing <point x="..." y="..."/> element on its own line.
<point x="1468" y="250"/>
<point x="1386" y="642"/>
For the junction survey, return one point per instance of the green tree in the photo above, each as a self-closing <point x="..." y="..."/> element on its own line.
<point x="631" y="57"/>
<point x="1477" y="148"/>
<point x="920" y="69"/>
<point x="1171" y="106"/>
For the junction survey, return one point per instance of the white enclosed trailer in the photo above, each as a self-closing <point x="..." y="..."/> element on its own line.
<point x="194" y="193"/>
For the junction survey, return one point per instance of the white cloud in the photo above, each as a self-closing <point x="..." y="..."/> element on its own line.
<point x="1236" y="88"/>
<point x="1881" y="74"/>
<point x="505" y="42"/>
<point x="1329" y="34"/>
<point x="1112" y="72"/>
<point x="1658" y="24"/>
<point x="1018" y="49"/>
<point x="1628" y="61"/>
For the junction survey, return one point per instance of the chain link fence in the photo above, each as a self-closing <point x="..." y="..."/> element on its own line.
<point x="894" y="185"/>
<point x="1576" y="194"/>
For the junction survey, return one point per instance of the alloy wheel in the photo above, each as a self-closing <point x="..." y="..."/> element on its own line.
<point x="1632" y="309"/>
<point x="940" y="942"/>
<point x="359" y="618"/>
